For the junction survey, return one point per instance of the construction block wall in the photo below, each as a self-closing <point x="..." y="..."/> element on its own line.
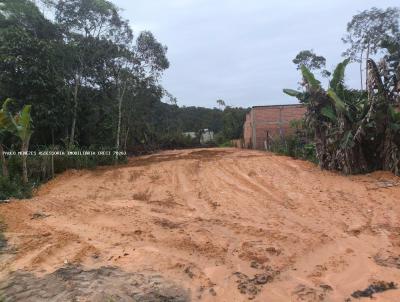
<point x="272" y="121"/>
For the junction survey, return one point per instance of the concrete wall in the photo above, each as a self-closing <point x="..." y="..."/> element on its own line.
<point x="269" y="120"/>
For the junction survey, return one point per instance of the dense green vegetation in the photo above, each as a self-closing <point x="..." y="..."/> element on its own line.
<point x="358" y="131"/>
<point x="300" y="144"/>
<point x="89" y="83"/>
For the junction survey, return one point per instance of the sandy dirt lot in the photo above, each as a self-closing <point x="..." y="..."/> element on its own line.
<point x="204" y="225"/>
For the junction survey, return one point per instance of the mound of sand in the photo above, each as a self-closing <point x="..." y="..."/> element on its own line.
<point x="214" y="224"/>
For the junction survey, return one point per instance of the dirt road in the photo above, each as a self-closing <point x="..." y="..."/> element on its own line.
<point x="204" y="225"/>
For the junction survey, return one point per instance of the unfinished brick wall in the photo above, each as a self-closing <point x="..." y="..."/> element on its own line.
<point x="269" y="120"/>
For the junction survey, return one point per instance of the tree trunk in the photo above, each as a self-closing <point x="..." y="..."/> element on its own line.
<point x="74" y="113"/>
<point x="24" y="150"/>
<point x="366" y="66"/>
<point x="126" y="138"/>
<point x="52" y="156"/>
<point x="361" y="71"/>
<point x="120" y="98"/>
<point x="3" y="162"/>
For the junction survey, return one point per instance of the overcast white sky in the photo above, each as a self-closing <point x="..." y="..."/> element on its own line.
<point x="242" y="51"/>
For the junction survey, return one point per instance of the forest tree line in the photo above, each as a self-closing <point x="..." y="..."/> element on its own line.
<point x="90" y="83"/>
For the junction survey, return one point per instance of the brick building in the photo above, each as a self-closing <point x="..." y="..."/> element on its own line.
<point x="265" y="123"/>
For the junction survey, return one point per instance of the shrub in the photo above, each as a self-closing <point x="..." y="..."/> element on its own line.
<point x="176" y="141"/>
<point x="225" y="144"/>
<point x="40" y="169"/>
<point x="14" y="188"/>
<point x="296" y="147"/>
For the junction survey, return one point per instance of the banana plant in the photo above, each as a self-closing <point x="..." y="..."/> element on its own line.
<point x="337" y="81"/>
<point x="394" y="119"/>
<point x="352" y="134"/>
<point x="6" y="126"/>
<point x="23" y="126"/>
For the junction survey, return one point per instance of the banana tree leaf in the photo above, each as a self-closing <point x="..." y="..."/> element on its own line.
<point x="338" y="75"/>
<point x="347" y="141"/>
<point x="6" y="120"/>
<point x="310" y="78"/>
<point x="293" y="92"/>
<point x="5" y="104"/>
<point x="23" y="121"/>
<point x="394" y="115"/>
<point x="339" y="104"/>
<point x="329" y="113"/>
<point x="395" y="127"/>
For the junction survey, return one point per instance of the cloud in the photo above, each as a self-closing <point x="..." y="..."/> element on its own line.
<point x="242" y="51"/>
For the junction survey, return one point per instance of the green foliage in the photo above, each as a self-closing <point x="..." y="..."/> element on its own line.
<point x="13" y="188"/>
<point x="337" y="81"/>
<point x="151" y="51"/>
<point x="84" y="73"/>
<point x="390" y="66"/>
<point x="6" y="121"/>
<point x="353" y="134"/>
<point x="292" y="92"/>
<point x="92" y="18"/>
<point x="89" y="47"/>
<point x="226" y="144"/>
<point x="347" y="141"/>
<point x="221" y="141"/>
<point x="176" y="141"/>
<point x="310" y="60"/>
<point x="23" y="124"/>
<point x="395" y="119"/>
<point x="309" y="77"/>
<point x="367" y="30"/>
<point x="294" y="147"/>
<point x="40" y="167"/>
<point x="299" y="144"/>
<point x="340" y="106"/>
<point x="233" y="120"/>
<point x="329" y="112"/>
<point x="20" y="126"/>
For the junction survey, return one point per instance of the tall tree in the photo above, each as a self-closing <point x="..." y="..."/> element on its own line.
<point x="32" y="65"/>
<point x="390" y="66"/>
<point x="129" y="63"/>
<point x="311" y="60"/>
<point x="365" y="33"/>
<point x="84" y="23"/>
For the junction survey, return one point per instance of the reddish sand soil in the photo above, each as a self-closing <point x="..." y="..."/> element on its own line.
<point x="223" y="224"/>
